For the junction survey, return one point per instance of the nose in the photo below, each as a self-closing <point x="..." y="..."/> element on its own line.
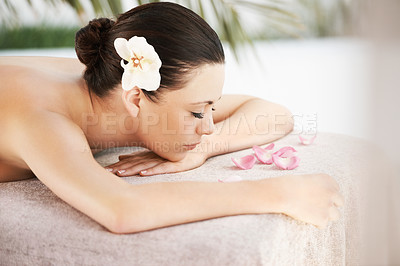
<point x="206" y="127"/>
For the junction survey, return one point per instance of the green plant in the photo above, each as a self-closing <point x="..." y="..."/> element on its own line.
<point x="224" y="15"/>
<point x="37" y="37"/>
<point x="327" y="18"/>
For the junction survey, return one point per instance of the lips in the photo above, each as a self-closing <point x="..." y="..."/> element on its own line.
<point x="191" y="146"/>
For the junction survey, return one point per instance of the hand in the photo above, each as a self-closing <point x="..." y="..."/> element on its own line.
<point x="312" y="198"/>
<point x="148" y="163"/>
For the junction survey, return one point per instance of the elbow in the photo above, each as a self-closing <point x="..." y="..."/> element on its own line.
<point x="275" y="119"/>
<point x="290" y="123"/>
<point x="281" y="123"/>
<point x="286" y="122"/>
<point x="117" y="225"/>
<point x="120" y="220"/>
<point x="129" y="213"/>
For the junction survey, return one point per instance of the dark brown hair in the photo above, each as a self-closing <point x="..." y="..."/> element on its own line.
<point x="182" y="39"/>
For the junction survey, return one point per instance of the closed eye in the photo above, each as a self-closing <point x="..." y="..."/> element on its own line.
<point x="198" y="115"/>
<point x="201" y="115"/>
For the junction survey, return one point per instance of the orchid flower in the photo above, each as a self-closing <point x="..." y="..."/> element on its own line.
<point x="142" y="69"/>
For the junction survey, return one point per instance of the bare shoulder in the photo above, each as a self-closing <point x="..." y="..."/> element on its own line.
<point x="41" y="82"/>
<point x="24" y="87"/>
<point x="54" y="64"/>
<point x="26" y="91"/>
<point x="45" y="129"/>
<point x="24" y="124"/>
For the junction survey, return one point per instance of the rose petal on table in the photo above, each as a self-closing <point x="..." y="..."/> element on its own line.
<point x="284" y="150"/>
<point x="270" y="146"/>
<point x="263" y="155"/>
<point x="288" y="163"/>
<point x="245" y="162"/>
<point x="288" y="153"/>
<point x="307" y="141"/>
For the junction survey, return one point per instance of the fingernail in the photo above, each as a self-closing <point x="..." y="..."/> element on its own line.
<point x="143" y="172"/>
<point x="109" y="169"/>
<point x="121" y="171"/>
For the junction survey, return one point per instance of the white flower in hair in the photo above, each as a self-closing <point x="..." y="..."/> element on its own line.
<point x="142" y="69"/>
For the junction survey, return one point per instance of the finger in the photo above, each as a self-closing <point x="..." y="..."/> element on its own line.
<point x="124" y="164"/>
<point x="129" y="170"/>
<point x="161" y="168"/>
<point x="109" y="169"/>
<point x="121" y="157"/>
<point x="337" y="186"/>
<point x="135" y="154"/>
<point x="113" y="168"/>
<point x="338" y="200"/>
<point x="334" y="214"/>
<point x="334" y="182"/>
<point x="322" y="224"/>
<point x="115" y="165"/>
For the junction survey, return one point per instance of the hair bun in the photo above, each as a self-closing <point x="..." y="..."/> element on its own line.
<point x="89" y="40"/>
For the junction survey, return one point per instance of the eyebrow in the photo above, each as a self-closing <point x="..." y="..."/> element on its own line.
<point x="209" y="102"/>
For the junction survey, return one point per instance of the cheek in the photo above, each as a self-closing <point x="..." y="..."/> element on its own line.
<point x="187" y="125"/>
<point x="172" y="131"/>
<point x="177" y="124"/>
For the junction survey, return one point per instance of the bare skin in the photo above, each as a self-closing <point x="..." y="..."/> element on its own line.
<point x="51" y="130"/>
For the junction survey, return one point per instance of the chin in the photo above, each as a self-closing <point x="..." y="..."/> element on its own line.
<point x="173" y="156"/>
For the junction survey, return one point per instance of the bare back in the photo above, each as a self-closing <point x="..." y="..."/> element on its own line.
<point x="34" y="83"/>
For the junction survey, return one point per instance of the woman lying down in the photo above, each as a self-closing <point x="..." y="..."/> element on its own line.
<point x="153" y="78"/>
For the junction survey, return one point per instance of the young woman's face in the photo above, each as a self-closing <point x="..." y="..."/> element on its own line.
<point x="174" y="126"/>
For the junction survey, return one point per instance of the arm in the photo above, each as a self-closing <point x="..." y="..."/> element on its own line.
<point x="57" y="152"/>
<point x="240" y="121"/>
<point x="244" y="121"/>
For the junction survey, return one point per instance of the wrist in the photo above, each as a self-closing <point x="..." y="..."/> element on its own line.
<point x="269" y="197"/>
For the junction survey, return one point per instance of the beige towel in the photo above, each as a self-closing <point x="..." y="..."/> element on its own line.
<point x="37" y="228"/>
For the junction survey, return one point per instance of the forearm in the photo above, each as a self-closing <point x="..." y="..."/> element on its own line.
<point x="251" y="124"/>
<point x="156" y="205"/>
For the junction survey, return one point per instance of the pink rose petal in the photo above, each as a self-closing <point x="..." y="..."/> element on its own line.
<point x="270" y="146"/>
<point x="288" y="153"/>
<point x="262" y="155"/>
<point x="245" y="162"/>
<point x="307" y="141"/>
<point x="284" y="150"/>
<point x="288" y="163"/>
<point x="234" y="178"/>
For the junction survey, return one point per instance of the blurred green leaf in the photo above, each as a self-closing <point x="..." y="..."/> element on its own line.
<point x="311" y="16"/>
<point x="229" y="22"/>
<point x="37" y="37"/>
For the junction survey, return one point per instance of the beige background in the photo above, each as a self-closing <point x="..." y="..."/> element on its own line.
<point x="382" y="29"/>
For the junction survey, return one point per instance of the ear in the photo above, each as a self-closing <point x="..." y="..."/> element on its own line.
<point x="131" y="100"/>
